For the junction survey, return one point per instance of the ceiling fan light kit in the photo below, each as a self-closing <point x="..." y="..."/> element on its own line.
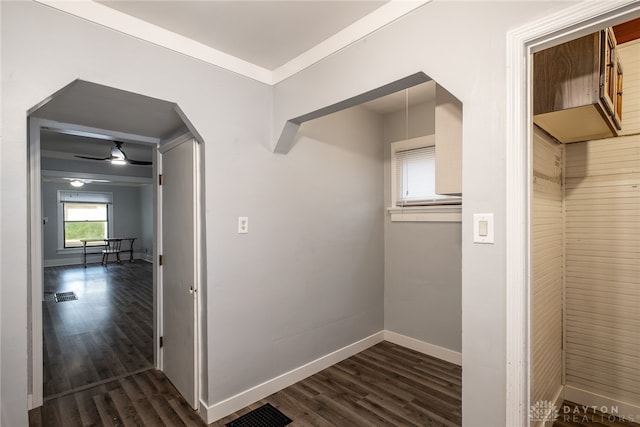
<point x="117" y="157"/>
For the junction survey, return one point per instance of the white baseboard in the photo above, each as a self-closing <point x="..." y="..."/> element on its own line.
<point x="625" y="410"/>
<point x="145" y="257"/>
<point x="429" y="349"/>
<point x="219" y="410"/>
<point x="228" y="406"/>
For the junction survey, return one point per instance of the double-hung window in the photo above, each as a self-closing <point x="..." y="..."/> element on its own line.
<point x="84" y="216"/>
<point x="413" y="186"/>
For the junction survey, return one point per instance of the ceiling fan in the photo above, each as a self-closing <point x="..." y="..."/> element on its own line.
<point x="117" y="157"/>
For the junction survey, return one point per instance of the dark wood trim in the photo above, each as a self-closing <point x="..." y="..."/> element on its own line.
<point x="628" y="31"/>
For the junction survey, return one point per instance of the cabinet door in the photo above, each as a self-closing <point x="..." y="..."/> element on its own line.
<point x="617" y="117"/>
<point x="608" y="69"/>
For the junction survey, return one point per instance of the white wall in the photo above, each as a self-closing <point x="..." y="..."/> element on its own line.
<point x="308" y="277"/>
<point x="462" y="46"/>
<point x="422" y="264"/>
<point x="305" y="281"/>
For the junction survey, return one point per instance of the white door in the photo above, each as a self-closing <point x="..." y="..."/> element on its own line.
<point x="179" y="275"/>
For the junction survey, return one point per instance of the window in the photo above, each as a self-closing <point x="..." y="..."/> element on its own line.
<point x="84" y="215"/>
<point x="413" y="188"/>
<point x="84" y="221"/>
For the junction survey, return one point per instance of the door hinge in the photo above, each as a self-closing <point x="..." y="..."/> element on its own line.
<point x="161" y="342"/>
<point x="160" y="259"/>
<point x="160" y="179"/>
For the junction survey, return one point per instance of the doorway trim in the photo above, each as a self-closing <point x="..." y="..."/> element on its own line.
<point x="35" y="247"/>
<point x="567" y="24"/>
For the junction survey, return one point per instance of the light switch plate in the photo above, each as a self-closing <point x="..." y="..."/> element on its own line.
<point x="483" y="228"/>
<point x="243" y="225"/>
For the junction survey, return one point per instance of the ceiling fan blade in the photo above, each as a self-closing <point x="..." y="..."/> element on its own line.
<point x="138" y="162"/>
<point x="93" y="158"/>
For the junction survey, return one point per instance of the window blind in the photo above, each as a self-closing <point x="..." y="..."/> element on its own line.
<point x="415" y="178"/>
<point x="65" y="196"/>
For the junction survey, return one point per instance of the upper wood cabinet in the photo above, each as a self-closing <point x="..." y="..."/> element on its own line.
<point x="578" y="88"/>
<point x="448" y="126"/>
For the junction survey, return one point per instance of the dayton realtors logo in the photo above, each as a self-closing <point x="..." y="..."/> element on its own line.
<point x="543" y="410"/>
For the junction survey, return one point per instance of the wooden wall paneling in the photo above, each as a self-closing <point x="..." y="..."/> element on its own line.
<point x="630" y="59"/>
<point x="547" y="268"/>
<point x="602" y="204"/>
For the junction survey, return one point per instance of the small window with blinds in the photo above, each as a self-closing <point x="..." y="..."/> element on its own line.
<point x="413" y="174"/>
<point x="84" y="215"/>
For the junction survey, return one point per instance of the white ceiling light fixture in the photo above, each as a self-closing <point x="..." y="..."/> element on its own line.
<point x="79" y="182"/>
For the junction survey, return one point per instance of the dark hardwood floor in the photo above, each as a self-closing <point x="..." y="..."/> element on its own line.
<point x="143" y="399"/>
<point x="105" y="334"/>
<point x="385" y="385"/>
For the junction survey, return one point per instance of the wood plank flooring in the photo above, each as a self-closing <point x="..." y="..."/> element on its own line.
<point x="107" y="333"/>
<point x="385" y="385"/>
<point x="143" y="399"/>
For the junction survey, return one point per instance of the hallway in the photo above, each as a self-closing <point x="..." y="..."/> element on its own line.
<point x="106" y="333"/>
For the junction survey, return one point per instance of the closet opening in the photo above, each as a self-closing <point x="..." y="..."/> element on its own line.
<point x="585" y="229"/>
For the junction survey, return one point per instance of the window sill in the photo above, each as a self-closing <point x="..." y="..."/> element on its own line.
<point x="90" y="249"/>
<point x="441" y="213"/>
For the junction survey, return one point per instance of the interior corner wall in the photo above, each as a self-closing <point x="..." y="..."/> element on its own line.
<point x="127" y="218"/>
<point x="423" y="260"/>
<point x="470" y="63"/>
<point x="315" y="280"/>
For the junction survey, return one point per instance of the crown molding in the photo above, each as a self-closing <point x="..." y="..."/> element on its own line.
<point x="110" y="18"/>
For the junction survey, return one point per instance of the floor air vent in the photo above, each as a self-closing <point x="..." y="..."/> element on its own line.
<point x="264" y="416"/>
<point x="65" y="296"/>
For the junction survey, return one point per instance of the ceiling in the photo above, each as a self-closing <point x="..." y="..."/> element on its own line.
<point x="64" y="146"/>
<point x="265" y="33"/>
<point x="92" y="105"/>
<point x="266" y="40"/>
<point x="85" y="118"/>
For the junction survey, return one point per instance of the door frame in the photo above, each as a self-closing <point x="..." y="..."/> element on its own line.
<point x="35" y="246"/>
<point x="570" y="23"/>
<point x="162" y="148"/>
